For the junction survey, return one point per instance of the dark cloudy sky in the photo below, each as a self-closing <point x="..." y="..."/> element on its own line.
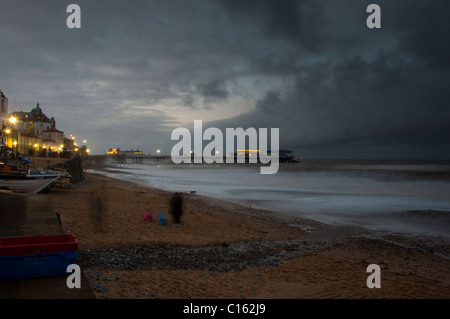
<point x="138" y="69"/>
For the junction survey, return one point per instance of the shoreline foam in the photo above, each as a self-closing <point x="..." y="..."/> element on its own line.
<point x="375" y="208"/>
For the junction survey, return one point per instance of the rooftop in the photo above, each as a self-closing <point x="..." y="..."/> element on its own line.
<point x="52" y="129"/>
<point x="36" y="115"/>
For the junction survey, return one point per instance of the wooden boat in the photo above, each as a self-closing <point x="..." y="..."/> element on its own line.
<point x="28" y="182"/>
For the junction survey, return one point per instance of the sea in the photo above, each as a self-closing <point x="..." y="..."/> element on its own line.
<point x="410" y="197"/>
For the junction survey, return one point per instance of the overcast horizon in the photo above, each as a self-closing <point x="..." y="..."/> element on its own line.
<point x="136" y="70"/>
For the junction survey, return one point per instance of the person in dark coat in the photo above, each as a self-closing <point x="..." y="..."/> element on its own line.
<point x="176" y="208"/>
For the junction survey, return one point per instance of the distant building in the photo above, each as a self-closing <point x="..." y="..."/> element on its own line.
<point x="114" y="151"/>
<point x="34" y="131"/>
<point x="28" y="142"/>
<point x="284" y="156"/>
<point x="53" y="139"/>
<point x="117" y="151"/>
<point x="3" y="110"/>
<point x="35" y="120"/>
<point x="69" y="144"/>
<point x="132" y="152"/>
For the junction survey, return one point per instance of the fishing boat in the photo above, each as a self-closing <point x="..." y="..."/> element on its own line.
<point x="28" y="182"/>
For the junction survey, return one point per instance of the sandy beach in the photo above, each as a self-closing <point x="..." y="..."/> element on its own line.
<point x="226" y="251"/>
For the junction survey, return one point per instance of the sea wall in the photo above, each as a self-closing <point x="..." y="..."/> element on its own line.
<point x="74" y="167"/>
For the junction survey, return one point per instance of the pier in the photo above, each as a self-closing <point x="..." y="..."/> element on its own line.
<point x="102" y="160"/>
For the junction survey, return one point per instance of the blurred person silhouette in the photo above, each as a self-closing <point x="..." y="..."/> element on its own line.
<point x="176" y="208"/>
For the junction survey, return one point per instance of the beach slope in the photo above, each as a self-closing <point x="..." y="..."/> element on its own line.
<point x="224" y="250"/>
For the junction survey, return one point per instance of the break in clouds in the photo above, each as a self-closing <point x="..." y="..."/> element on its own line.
<point x="136" y="70"/>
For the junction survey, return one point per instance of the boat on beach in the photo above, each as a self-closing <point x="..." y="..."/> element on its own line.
<point x="28" y="182"/>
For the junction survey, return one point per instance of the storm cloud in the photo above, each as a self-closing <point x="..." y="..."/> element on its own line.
<point x="136" y="70"/>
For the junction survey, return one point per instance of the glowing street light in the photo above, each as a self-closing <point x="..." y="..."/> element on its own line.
<point x="8" y="131"/>
<point x="158" y="151"/>
<point x="13" y="120"/>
